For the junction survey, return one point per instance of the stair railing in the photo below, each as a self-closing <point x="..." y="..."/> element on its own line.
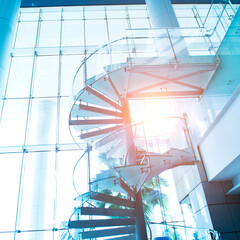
<point x="187" y="232"/>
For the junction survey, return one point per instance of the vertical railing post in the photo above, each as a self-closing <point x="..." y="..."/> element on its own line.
<point x="89" y="149"/>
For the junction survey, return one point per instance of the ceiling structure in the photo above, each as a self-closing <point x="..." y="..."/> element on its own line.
<point x="58" y="3"/>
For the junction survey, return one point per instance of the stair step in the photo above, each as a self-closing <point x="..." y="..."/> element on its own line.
<point x="99" y="110"/>
<point x="111" y="183"/>
<point x="102" y="97"/>
<point x="127" y="188"/>
<point x="107" y="212"/>
<point x="101" y="223"/>
<point x="111" y="199"/>
<point x="101" y="132"/>
<point x="132" y="173"/>
<point x="128" y="237"/>
<point x="109" y="232"/>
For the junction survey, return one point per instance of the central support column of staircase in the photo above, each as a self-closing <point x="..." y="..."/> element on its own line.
<point x="140" y="226"/>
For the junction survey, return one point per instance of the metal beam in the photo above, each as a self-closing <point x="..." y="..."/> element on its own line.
<point x="164" y="94"/>
<point x="59" y="3"/>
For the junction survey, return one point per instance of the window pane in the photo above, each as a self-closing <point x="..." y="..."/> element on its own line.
<point x="96" y="32"/>
<point x="49" y="14"/>
<point x="64" y="133"/>
<point x="65" y="189"/>
<point x="46" y="76"/>
<point x="94" y="12"/>
<point x="35" y="235"/>
<point x="117" y="28"/>
<point x="69" y="67"/>
<point x="140" y="23"/>
<point x="26" y="36"/>
<point x="13" y="122"/>
<point x="49" y="34"/>
<point x="72" y="13"/>
<point x="137" y="13"/>
<point x="20" y="77"/>
<point x="30" y="16"/>
<point x="112" y="13"/>
<point x="38" y="192"/>
<point x="72" y="33"/>
<point x="10" y="166"/>
<point x="42" y="128"/>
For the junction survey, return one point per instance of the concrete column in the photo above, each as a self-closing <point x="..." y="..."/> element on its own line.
<point x="8" y="15"/>
<point x="163" y="17"/>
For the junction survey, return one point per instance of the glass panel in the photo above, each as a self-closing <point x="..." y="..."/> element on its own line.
<point x="64" y="133"/>
<point x="73" y="13"/>
<point x="65" y="189"/>
<point x="115" y="13"/>
<point x="187" y="22"/>
<point x="26" y="36"/>
<point x="94" y="12"/>
<point x="46" y="76"/>
<point x="137" y="13"/>
<point x="117" y="28"/>
<point x="20" y="77"/>
<point x="96" y="64"/>
<point x="96" y="32"/>
<point x="140" y="23"/>
<point x="10" y="166"/>
<point x="49" y="14"/>
<point x="38" y="192"/>
<point x="46" y="235"/>
<point x="7" y="236"/>
<point x="42" y="128"/>
<point x="29" y="16"/>
<point x="72" y="33"/>
<point x="13" y="122"/>
<point x="49" y="34"/>
<point x="69" y="67"/>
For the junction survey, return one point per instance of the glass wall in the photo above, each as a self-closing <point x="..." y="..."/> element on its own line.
<point x="37" y="152"/>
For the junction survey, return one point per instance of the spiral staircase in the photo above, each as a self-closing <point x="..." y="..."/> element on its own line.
<point x="101" y="117"/>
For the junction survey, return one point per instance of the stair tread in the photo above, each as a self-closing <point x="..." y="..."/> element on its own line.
<point x="111" y="183"/>
<point x="108" y="232"/>
<point x="132" y="173"/>
<point x="128" y="237"/>
<point x="111" y="199"/>
<point x="107" y="212"/>
<point x="101" y="223"/>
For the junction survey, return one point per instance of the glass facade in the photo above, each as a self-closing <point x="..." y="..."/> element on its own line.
<point x="37" y="152"/>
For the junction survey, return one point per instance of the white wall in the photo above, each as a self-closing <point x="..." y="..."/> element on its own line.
<point x="221" y="147"/>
